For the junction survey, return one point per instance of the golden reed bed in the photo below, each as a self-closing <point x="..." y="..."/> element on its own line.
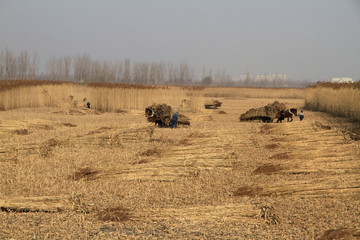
<point x="338" y="99"/>
<point x="112" y="97"/>
<point x="103" y="97"/>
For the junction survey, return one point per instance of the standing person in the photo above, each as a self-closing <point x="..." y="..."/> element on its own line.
<point x="301" y="115"/>
<point x="174" y="120"/>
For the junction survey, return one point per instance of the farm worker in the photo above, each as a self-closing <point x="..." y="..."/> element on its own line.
<point x="88" y="104"/>
<point x="174" y="120"/>
<point x="301" y="115"/>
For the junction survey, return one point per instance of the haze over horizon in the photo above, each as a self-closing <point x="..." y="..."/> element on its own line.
<point x="306" y="40"/>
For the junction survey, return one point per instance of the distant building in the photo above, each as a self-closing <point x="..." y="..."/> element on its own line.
<point x="268" y="77"/>
<point x="271" y="77"/>
<point x="246" y="76"/>
<point x="342" y="80"/>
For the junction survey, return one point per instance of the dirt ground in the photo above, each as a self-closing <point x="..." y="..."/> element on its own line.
<point x="91" y="175"/>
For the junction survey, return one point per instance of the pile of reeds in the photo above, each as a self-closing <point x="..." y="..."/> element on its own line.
<point x="269" y="111"/>
<point x="162" y="113"/>
<point x="212" y="104"/>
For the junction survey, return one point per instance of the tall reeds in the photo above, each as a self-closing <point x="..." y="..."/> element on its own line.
<point x="31" y="96"/>
<point x="296" y="93"/>
<point x="103" y="97"/>
<point x="112" y="99"/>
<point x="340" y="101"/>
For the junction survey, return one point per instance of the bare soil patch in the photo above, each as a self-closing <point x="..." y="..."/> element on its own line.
<point x="52" y="143"/>
<point x="99" y="130"/>
<point x="105" y="128"/>
<point x="184" y="142"/>
<point x="120" y="111"/>
<point x="115" y="214"/>
<point x="69" y="124"/>
<point x="197" y="135"/>
<point x="141" y="161"/>
<point x="152" y="152"/>
<point x="163" y="140"/>
<point x="268" y="169"/>
<point x="86" y="173"/>
<point x="22" y="132"/>
<point x="342" y="233"/>
<point x="44" y="127"/>
<point x="248" y="191"/>
<point x="272" y="146"/>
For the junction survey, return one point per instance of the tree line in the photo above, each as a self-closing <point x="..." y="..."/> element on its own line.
<point x="23" y="66"/>
<point x="84" y="69"/>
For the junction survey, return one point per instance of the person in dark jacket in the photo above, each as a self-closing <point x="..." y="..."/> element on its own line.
<point x="174" y="120"/>
<point x="301" y="115"/>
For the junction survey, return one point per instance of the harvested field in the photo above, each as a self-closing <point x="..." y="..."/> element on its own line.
<point x="111" y="176"/>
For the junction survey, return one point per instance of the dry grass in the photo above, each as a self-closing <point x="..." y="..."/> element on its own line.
<point x="321" y="125"/>
<point x="112" y="99"/>
<point x="114" y="214"/>
<point x="277" y="93"/>
<point x="114" y="176"/>
<point x="103" y="97"/>
<point x="152" y="152"/>
<point x="266" y="129"/>
<point x="340" y="101"/>
<point x="280" y="156"/>
<point x="6" y="85"/>
<point x="334" y="85"/>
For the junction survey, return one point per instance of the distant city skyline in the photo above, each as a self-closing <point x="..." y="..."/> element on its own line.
<point x="304" y="40"/>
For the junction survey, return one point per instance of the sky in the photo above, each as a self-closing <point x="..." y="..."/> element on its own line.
<point x="306" y="40"/>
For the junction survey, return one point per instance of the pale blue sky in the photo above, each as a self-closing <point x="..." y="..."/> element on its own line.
<point x="305" y="39"/>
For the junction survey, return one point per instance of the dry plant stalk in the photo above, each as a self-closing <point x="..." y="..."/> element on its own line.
<point x="266" y="213"/>
<point x="108" y="98"/>
<point x="276" y="93"/>
<point x="342" y="101"/>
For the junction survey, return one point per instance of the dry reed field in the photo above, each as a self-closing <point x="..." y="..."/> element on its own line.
<point x="341" y="99"/>
<point x="103" y="97"/>
<point x="68" y="172"/>
<point x="278" y="93"/>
